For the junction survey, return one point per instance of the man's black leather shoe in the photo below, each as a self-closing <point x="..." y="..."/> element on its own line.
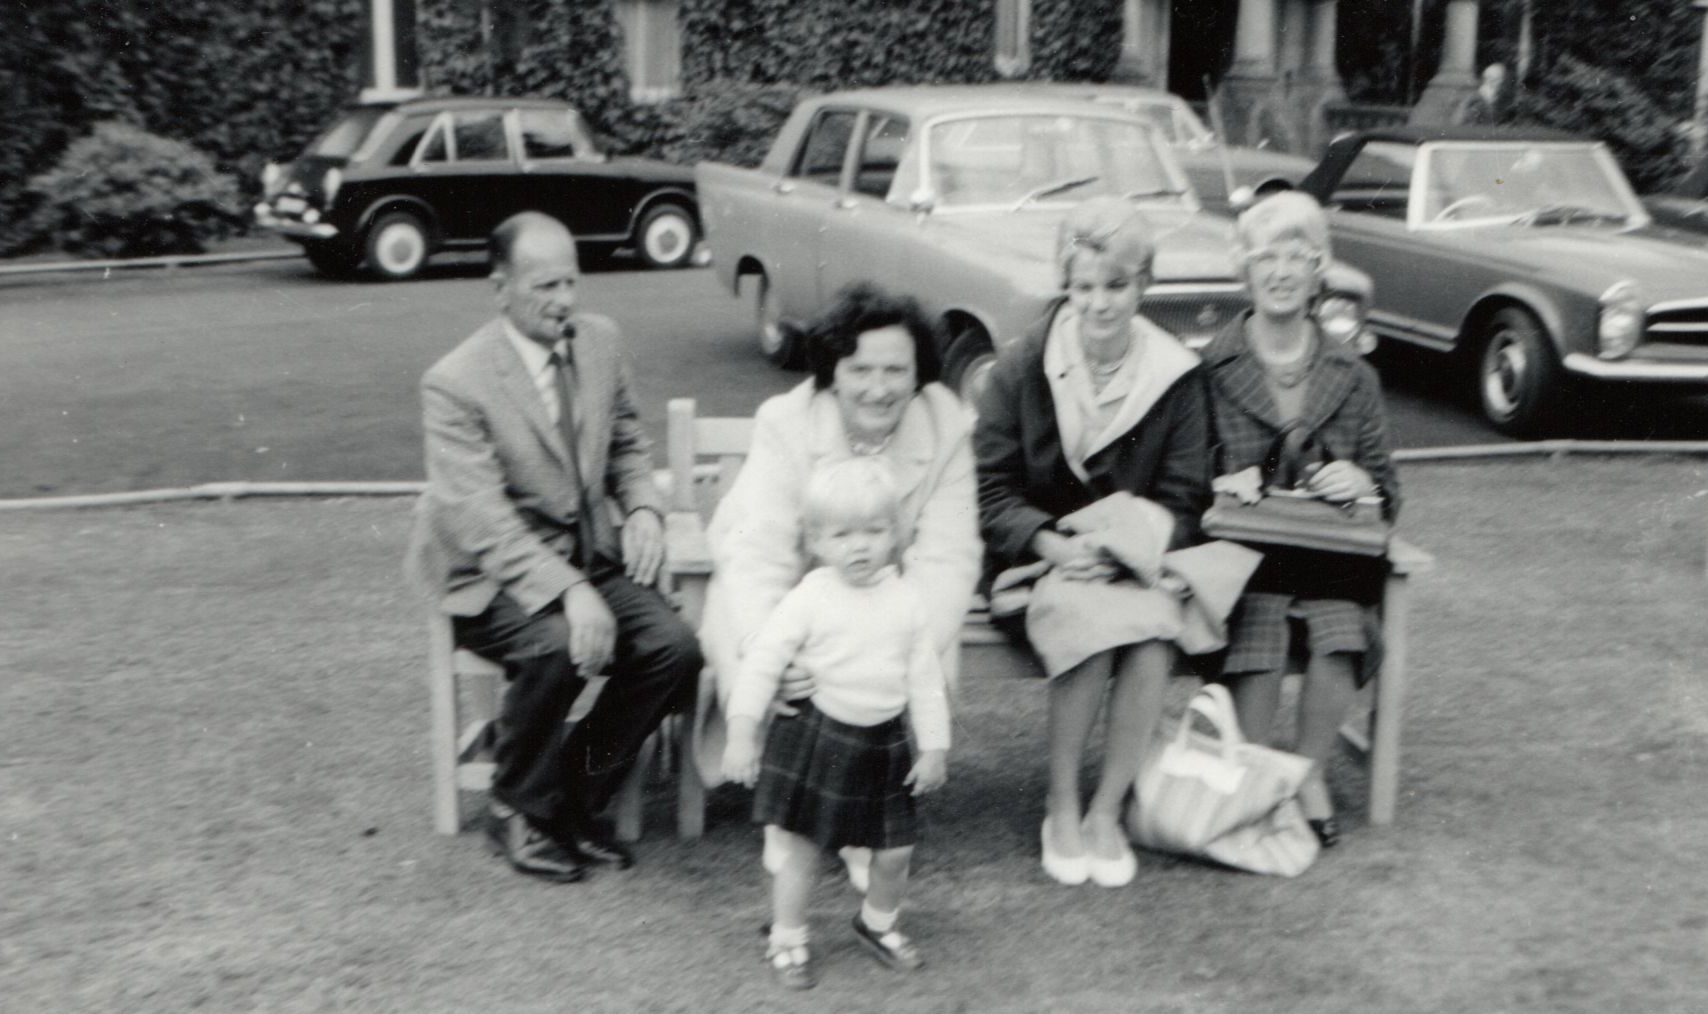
<point x="531" y="851"/>
<point x="595" y="844"/>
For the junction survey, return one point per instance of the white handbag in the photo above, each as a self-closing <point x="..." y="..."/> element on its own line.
<point x="1217" y="797"/>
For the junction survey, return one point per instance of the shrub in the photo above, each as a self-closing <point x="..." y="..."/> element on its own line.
<point x="730" y="121"/>
<point x="1596" y="102"/>
<point x="123" y="192"/>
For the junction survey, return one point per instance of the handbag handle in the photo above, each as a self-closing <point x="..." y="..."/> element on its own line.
<point x="1216" y="705"/>
<point x="1292" y="449"/>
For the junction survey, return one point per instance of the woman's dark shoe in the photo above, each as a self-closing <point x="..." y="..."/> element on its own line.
<point x="1327" y="831"/>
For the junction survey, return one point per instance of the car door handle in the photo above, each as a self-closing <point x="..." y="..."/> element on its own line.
<point x="783" y="187"/>
<point x="845" y="204"/>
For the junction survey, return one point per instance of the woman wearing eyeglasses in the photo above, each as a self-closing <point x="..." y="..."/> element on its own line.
<point x="1096" y="406"/>
<point x="1274" y="370"/>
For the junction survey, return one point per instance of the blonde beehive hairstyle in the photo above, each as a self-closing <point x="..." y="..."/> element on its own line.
<point x="1108" y="226"/>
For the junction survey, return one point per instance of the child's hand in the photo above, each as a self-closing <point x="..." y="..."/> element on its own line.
<point x="929" y="772"/>
<point x="741" y="760"/>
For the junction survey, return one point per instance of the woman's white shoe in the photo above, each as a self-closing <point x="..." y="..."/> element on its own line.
<point x="1069" y="870"/>
<point x="1106" y="872"/>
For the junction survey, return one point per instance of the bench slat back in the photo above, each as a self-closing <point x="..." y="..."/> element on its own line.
<point x="720" y="442"/>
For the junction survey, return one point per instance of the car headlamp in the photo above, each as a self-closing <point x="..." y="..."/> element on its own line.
<point x="329" y="185"/>
<point x="1341" y="317"/>
<point x="1620" y="324"/>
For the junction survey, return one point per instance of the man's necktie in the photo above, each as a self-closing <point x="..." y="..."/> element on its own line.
<point x="585" y="526"/>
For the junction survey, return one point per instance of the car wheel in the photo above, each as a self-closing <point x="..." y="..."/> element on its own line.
<point x="778" y="342"/>
<point x="1519" y="378"/>
<point x="333" y="261"/>
<point x="397" y="246"/>
<point x="970" y="359"/>
<point x="666" y="236"/>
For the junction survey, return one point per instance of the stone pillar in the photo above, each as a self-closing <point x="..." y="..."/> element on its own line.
<point x="1322" y="74"/>
<point x="390" y="66"/>
<point x="1292" y="27"/>
<point x="1699" y="136"/>
<point x="1455" y="79"/>
<point x="1249" y="93"/>
<point x="1144" y="43"/>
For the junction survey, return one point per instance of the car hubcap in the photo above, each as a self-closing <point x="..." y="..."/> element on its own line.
<point x="1505" y="367"/>
<point x="400" y="248"/>
<point x="770" y="322"/>
<point x="667" y="239"/>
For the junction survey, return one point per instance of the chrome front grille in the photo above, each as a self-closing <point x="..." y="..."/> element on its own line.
<point x="1678" y="323"/>
<point x="1194" y="313"/>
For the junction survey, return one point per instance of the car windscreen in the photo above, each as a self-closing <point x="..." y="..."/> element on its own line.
<point x="1046" y="159"/>
<point x="345" y="136"/>
<point x="1515" y="181"/>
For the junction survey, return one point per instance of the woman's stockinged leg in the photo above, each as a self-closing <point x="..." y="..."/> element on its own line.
<point x="1257" y="697"/>
<point x="1075" y="697"/>
<point x="889" y="878"/>
<point x="1141" y="681"/>
<point x="791" y="887"/>
<point x="1330" y="688"/>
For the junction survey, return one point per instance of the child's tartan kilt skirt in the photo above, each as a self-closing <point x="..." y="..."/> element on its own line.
<point x="837" y="784"/>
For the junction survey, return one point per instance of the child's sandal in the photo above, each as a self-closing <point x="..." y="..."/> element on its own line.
<point x="893" y="948"/>
<point x="792" y="966"/>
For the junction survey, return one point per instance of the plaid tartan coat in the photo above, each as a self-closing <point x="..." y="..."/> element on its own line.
<point x="1343" y="405"/>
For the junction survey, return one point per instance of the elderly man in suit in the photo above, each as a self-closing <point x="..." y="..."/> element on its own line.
<point x="534" y="450"/>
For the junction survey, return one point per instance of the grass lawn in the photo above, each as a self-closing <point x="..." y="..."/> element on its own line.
<point x="213" y="795"/>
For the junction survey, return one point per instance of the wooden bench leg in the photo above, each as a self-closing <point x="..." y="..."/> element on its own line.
<point x="1390" y="704"/>
<point x="442" y="728"/>
<point x="631" y="795"/>
<point x="690" y="789"/>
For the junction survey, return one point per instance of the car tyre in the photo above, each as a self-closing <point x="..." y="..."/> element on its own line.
<point x="1520" y="382"/>
<point x="332" y="260"/>
<point x="968" y="365"/>
<point x="397" y="246"/>
<point x="666" y="236"/>
<point x="779" y="343"/>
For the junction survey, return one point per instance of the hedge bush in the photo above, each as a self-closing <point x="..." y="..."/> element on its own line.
<point x="123" y="192"/>
<point x="1597" y="102"/>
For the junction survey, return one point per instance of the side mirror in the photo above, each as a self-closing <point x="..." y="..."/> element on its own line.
<point x="922" y="201"/>
<point x="1241" y="198"/>
<point x="1201" y="143"/>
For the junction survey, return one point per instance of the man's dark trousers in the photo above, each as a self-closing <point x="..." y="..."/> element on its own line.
<point x="545" y="769"/>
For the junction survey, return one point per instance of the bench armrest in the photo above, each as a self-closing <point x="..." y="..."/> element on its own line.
<point x="686" y="552"/>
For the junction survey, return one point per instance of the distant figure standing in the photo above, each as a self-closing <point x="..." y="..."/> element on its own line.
<point x="1488" y="105"/>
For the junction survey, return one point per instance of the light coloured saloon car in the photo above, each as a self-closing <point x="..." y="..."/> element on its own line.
<point x="952" y="195"/>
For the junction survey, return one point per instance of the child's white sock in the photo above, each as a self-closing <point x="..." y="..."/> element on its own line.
<point x="876" y="921"/>
<point x="784" y="937"/>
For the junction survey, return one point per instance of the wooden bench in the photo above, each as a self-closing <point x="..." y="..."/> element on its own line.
<point x="705" y="454"/>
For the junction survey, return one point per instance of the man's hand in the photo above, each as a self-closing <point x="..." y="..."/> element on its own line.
<point x="1340" y="481"/>
<point x="1246" y="484"/>
<point x="796" y="685"/>
<point x="929" y="772"/>
<point x="643" y="546"/>
<point x="592" y="628"/>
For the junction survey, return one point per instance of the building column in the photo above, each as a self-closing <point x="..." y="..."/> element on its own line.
<point x="1251" y="105"/>
<point x="1455" y="79"/>
<point x="390" y="65"/>
<point x="1292" y="28"/>
<point x="1699" y="135"/>
<point x="1144" y="43"/>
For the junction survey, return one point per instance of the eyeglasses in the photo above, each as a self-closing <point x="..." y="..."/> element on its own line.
<point x="1271" y="258"/>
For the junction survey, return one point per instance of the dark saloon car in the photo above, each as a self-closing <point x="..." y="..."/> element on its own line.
<point x="391" y="183"/>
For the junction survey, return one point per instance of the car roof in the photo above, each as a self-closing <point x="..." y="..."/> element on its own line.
<point x="437" y="103"/>
<point x="937" y="100"/>
<point x="1424" y="134"/>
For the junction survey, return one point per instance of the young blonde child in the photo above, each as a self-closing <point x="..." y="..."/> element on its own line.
<point x="840" y="771"/>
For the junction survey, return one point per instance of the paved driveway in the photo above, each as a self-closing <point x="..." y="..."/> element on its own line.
<point x="266" y="371"/>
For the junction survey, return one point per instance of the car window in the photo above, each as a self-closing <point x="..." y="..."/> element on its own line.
<point x="1048" y="159"/>
<point x="409" y="138"/>
<point x="436" y="148"/>
<point x="549" y="133"/>
<point x="343" y="137"/>
<point x="880" y="155"/>
<point x="480" y="136"/>
<point x="1483" y="180"/>
<point x="1378" y="180"/>
<point x="826" y="145"/>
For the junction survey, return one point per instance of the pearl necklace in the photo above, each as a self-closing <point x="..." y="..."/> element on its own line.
<point x="1290" y="371"/>
<point x="867" y="448"/>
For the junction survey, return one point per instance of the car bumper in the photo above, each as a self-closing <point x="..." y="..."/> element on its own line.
<point x="1586" y="365"/>
<point x="265" y="218"/>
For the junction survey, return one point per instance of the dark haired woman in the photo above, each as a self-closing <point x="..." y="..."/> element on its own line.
<point x="874" y="391"/>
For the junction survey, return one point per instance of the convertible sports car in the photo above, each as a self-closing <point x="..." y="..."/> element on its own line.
<point x="952" y="194"/>
<point x="1523" y="252"/>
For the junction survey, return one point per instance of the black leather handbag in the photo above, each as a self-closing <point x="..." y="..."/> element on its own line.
<point x="1289" y="516"/>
